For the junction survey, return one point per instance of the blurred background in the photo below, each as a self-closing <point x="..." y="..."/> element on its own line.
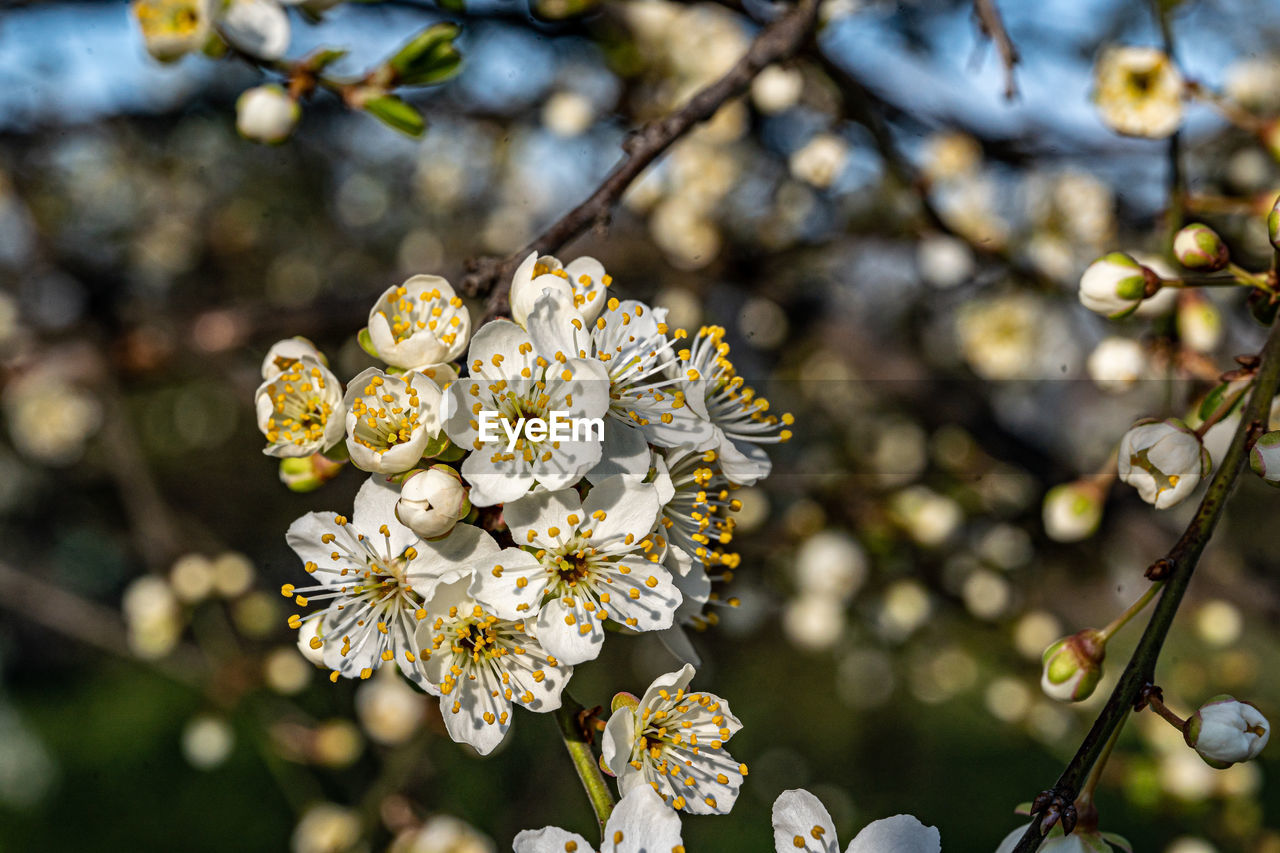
<point x="894" y="248"/>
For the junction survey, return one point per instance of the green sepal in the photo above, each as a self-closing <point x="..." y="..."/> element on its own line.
<point x="396" y="114"/>
<point x="366" y="342"/>
<point x="451" y="453"/>
<point x="435" y="446"/>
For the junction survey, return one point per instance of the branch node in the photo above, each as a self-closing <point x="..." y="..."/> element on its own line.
<point x="1159" y="570"/>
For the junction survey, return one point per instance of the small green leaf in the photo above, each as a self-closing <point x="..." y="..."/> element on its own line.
<point x="429" y="57"/>
<point x="1212" y="401"/>
<point x="322" y="58"/>
<point x="395" y="113"/>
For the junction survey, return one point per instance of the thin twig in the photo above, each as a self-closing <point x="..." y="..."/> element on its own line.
<point x="1177" y="566"/>
<point x="777" y="41"/>
<point x="992" y="26"/>
<point x="584" y="758"/>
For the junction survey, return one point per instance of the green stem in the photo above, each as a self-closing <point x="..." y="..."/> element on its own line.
<point x="1134" y="609"/>
<point x="1181" y="559"/>
<point x="1245" y="277"/>
<point x="584" y="759"/>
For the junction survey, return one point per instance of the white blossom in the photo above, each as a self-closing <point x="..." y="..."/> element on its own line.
<point x="419" y="324"/>
<point x="284" y="353"/>
<point x="258" y="27"/>
<point x="373" y="576"/>
<point x="596" y="559"/>
<point x="1116" y="364"/>
<point x="1163" y="460"/>
<point x="1264" y="457"/>
<point x="802" y="823"/>
<point x="646" y="404"/>
<point x="267" y="114"/>
<point x="507" y="377"/>
<point x="1072" y="511"/>
<point x="173" y="28"/>
<point x="741" y="417"/>
<point x="583" y="284"/>
<point x="390" y="419"/>
<point x="673" y="741"/>
<point x="300" y="408"/>
<point x="480" y="665"/>
<point x="1138" y="91"/>
<point x="695" y="509"/>
<point x="1225" y="731"/>
<point x="639" y="823"/>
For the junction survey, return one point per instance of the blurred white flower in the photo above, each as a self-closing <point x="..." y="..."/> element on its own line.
<point x="1254" y="83"/>
<point x="153" y="617"/>
<point x="831" y="564"/>
<point x="1163" y="460"/>
<point x="1138" y="91"/>
<point x="776" y="89"/>
<point x="641" y="821"/>
<point x="814" y="622"/>
<point x="672" y="740"/>
<point x="207" y="741"/>
<point x="821" y="160"/>
<point x="191" y="578"/>
<point x="802" y="823"/>
<point x="945" y="262"/>
<point x="1199" y="322"/>
<point x="267" y="114"/>
<point x="326" y="828"/>
<point x="1116" y="364"/>
<point x="173" y="28"/>
<point x="257" y="27"/>
<point x="568" y="114"/>
<point x="1072" y="511"/>
<point x="389" y="709"/>
<point x="443" y="834"/>
<point x="50" y="419"/>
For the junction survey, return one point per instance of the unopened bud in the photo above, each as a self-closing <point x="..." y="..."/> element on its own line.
<point x="1264" y="458"/>
<point x="1273" y="224"/>
<point x="1073" y="666"/>
<point x="1163" y="460"/>
<point x="267" y="114"/>
<point x="308" y="473"/>
<point x="1198" y="247"/>
<point x="1115" y="285"/>
<point x="432" y="501"/>
<point x="1225" y="731"/>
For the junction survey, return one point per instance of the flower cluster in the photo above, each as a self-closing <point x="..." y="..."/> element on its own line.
<point x="530" y="485"/>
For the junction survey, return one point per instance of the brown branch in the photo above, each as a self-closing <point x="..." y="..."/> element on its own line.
<point x="992" y="26"/>
<point x="778" y="40"/>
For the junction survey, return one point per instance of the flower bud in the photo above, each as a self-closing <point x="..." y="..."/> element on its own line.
<point x="1273" y="224"/>
<point x="1198" y="247"/>
<point x="308" y="473"/>
<point x="1072" y="511"/>
<point x="1163" y="460"/>
<point x="1264" y="458"/>
<point x="1073" y="666"/>
<point x="1199" y="322"/>
<point x="1225" y="731"/>
<point x="582" y="283"/>
<point x="1115" y="285"/>
<point x="432" y="501"/>
<point x="267" y="114"/>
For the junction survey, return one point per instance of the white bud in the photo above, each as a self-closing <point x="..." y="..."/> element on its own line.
<point x="821" y="161"/>
<point x="1116" y="364"/>
<point x="207" y="741"/>
<point x="1138" y="91"/>
<point x="1163" y="460"/>
<point x="389" y="709"/>
<point x="1199" y="322"/>
<point x="1198" y="247"/>
<point x="1072" y="511"/>
<point x="1115" y="285"/>
<point x="432" y="501"/>
<point x="776" y="89"/>
<point x="1264" y="458"/>
<point x="267" y="114"/>
<point x="326" y="828"/>
<point x="583" y="284"/>
<point x="1225" y="731"/>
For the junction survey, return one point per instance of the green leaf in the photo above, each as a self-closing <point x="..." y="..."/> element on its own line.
<point x="323" y="57"/>
<point x="395" y="113"/>
<point x="1212" y="401"/>
<point x="429" y="57"/>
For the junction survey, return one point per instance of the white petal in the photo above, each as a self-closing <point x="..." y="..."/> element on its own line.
<point x="566" y="640"/>
<point x="304" y="536"/>
<point x="375" y="506"/>
<point x="671" y="682"/>
<point x="549" y="839"/>
<point x="630" y="507"/>
<point x="898" y="834"/>
<point x="676" y="640"/>
<point x="800" y="816"/>
<point x="258" y="27"/>
<point x="644" y="598"/>
<point x="532" y="517"/>
<point x="743" y="462"/>
<point x="497" y="586"/>
<point x="617" y="740"/>
<point x="625" y="450"/>
<point x="465" y="550"/>
<point x="492" y="485"/>
<point x="641" y="823"/>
